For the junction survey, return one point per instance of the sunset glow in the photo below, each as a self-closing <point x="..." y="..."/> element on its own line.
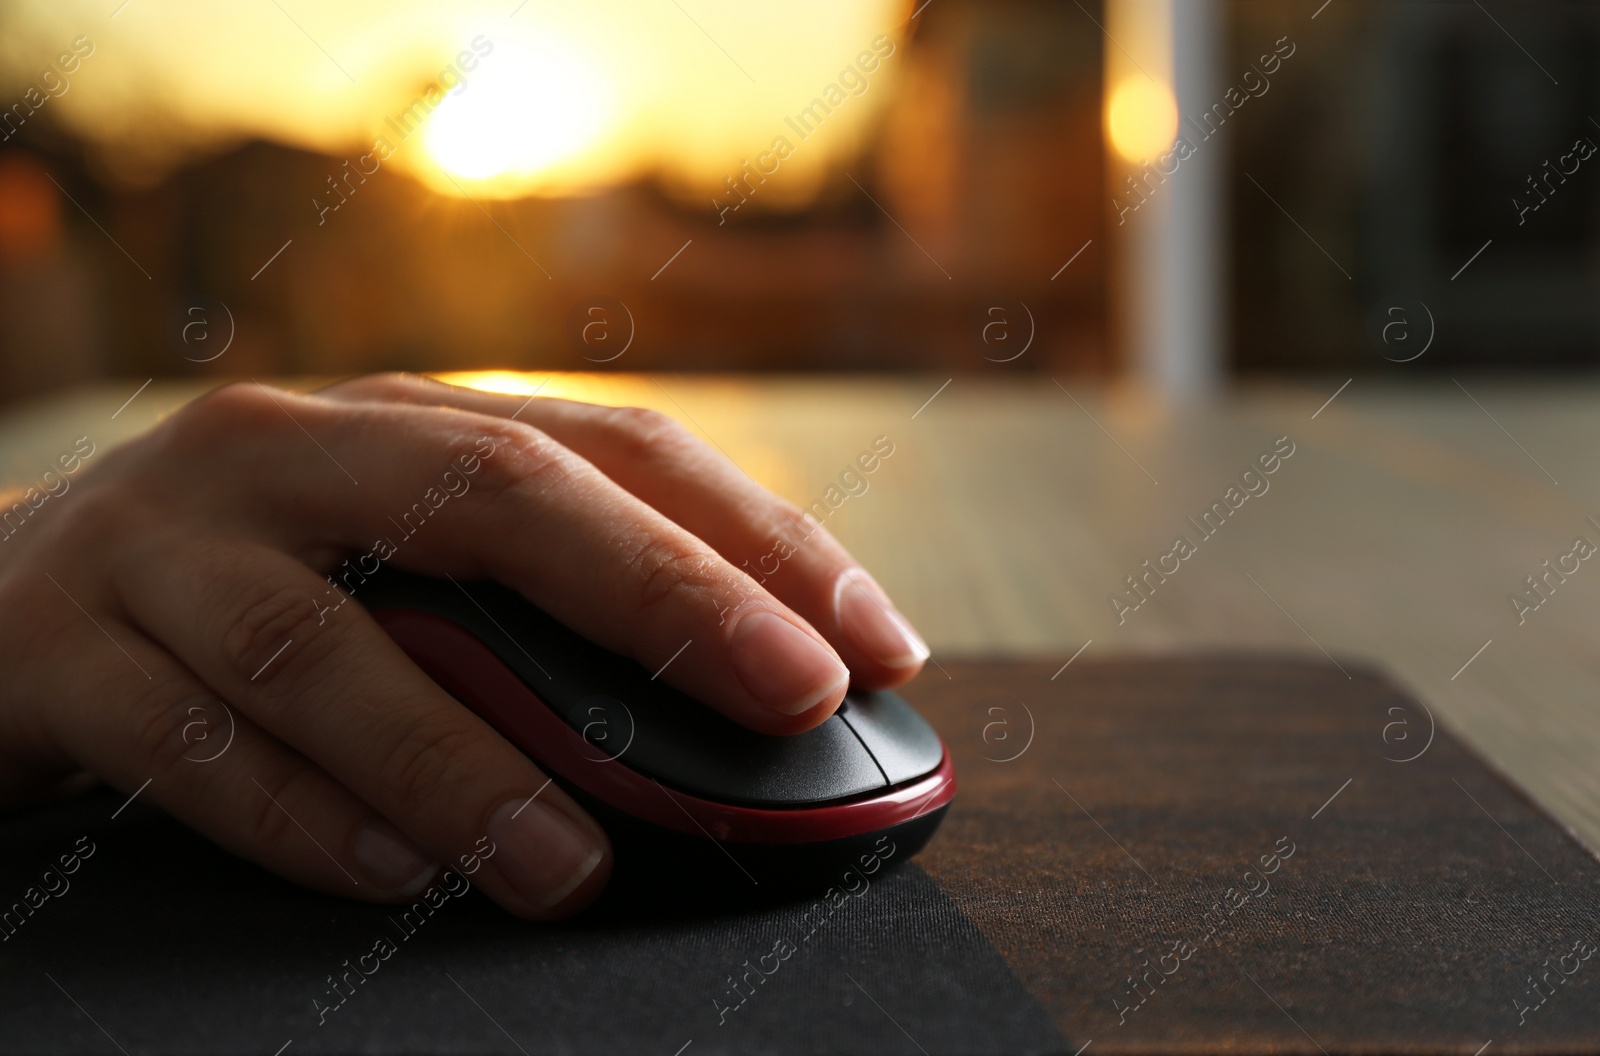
<point x="473" y="97"/>
<point x="530" y="108"/>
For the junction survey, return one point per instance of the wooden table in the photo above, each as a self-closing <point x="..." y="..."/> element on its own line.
<point x="1013" y="509"/>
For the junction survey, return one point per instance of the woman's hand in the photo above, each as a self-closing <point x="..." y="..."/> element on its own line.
<point x="188" y="567"/>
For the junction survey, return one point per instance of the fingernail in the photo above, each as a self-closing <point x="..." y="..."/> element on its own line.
<point x="391" y="861"/>
<point x="875" y="625"/>
<point x="541" y="851"/>
<point x="782" y="666"/>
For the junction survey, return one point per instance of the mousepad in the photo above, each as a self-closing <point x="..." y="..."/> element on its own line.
<point x="1247" y="853"/>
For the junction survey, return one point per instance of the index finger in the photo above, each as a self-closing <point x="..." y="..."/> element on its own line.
<point x="788" y="551"/>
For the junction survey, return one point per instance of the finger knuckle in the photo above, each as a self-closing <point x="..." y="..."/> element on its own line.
<point x="239" y="412"/>
<point x="668" y="569"/>
<point x="396" y="386"/>
<point x="271" y="631"/>
<point x="789" y="521"/>
<point x="268" y="821"/>
<point x="521" y="458"/>
<point x="418" y="772"/>
<point x="647" y="433"/>
<point x="160" y="719"/>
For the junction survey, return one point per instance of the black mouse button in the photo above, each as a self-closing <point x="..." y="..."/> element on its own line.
<point x="901" y="740"/>
<point x="605" y="724"/>
<point x="823" y="764"/>
<point x="687" y="746"/>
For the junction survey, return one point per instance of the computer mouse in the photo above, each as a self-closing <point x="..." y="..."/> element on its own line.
<point x="697" y="807"/>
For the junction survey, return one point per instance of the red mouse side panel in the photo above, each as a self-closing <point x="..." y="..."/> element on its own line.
<point x="469" y="670"/>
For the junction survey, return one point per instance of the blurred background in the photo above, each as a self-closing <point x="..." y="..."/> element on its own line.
<point x="285" y="188"/>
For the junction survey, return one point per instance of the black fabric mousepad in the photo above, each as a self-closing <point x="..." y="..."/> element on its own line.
<point x="1258" y="855"/>
<point x="1235" y="853"/>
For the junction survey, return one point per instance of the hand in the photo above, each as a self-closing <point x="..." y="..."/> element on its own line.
<point x="188" y="567"/>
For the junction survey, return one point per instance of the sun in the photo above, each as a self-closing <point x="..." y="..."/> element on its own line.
<point x="532" y="106"/>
